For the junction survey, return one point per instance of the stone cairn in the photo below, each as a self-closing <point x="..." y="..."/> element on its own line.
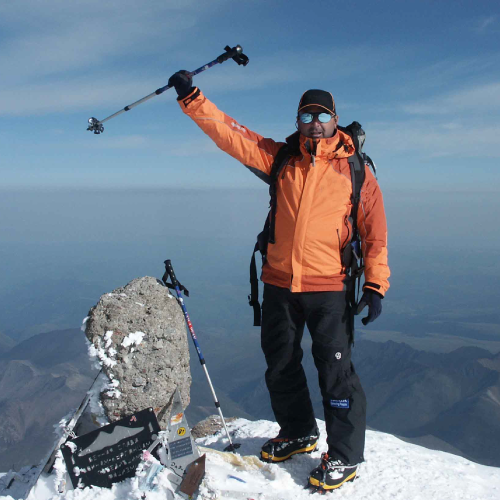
<point x="138" y="336"/>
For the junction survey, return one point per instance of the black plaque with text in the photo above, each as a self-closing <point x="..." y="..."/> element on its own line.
<point x="112" y="453"/>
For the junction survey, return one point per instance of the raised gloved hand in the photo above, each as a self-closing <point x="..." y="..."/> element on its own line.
<point x="373" y="300"/>
<point x="182" y="82"/>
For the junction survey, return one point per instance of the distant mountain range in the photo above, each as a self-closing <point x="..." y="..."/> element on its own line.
<point x="443" y="401"/>
<point x="41" y="380"/>
<point x="6" y="343"/>
<point x="453" y="397"/>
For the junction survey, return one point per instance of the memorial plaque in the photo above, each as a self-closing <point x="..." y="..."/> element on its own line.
<point x="112" y="453"/>
<point x="181" y="448"/>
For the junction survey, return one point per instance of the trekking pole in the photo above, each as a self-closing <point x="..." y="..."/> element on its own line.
<point x="235" y="53"/>
<point x="169" y="273"/>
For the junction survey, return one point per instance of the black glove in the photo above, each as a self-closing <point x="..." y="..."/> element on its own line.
<point x="182" y="82"/>
<point x="373" y="300"/>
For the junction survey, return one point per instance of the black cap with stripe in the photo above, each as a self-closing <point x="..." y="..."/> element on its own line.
<point x="316" y="97"/>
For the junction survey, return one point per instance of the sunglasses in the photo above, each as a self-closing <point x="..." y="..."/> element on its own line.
<point x="309" y="117"/>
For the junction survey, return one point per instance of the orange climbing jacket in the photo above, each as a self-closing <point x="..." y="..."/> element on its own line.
<point x="313" y="204"/>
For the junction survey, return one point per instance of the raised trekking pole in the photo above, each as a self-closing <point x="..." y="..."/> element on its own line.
<point x="235" y="53"/>
<point x="169" y="273"/>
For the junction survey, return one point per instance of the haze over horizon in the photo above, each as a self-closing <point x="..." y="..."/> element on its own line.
<point x="61" y="250"/>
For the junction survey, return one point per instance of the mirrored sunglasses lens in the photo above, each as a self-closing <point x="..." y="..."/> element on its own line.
<point x="306" y="118"/>
<point x="324" y="117"/>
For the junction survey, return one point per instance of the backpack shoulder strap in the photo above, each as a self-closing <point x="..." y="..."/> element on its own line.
<point x="279" y="163"/>
<point x="268" y="233"/>
<point x="357" y="164"/>
<point x="289" y="149"/>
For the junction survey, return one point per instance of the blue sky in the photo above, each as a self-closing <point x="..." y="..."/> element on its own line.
<point x="423" y="77"/>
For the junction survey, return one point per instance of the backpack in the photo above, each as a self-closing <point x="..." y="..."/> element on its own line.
<point x="352" y="257"/>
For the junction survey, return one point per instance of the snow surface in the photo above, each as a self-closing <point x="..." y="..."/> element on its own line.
<point x="133" y="339"/>
<point x="104" y="355"/>
<point x="393" y="470"/>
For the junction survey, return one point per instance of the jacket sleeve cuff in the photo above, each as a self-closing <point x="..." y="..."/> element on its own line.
<point x="374" y="287"/>
<point x="195" y="92"/>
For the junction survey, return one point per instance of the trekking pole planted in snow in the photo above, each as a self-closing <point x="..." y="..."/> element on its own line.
<point x="169" y="273"/>
<point x="235" y="53"/>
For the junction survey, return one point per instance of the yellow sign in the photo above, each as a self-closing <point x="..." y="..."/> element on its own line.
<point x="181" y="431"/>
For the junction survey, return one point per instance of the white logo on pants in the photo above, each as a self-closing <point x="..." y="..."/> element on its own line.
<point x="338" y="355"/>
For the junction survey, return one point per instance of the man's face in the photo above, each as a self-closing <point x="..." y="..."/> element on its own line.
<point x="316" y="129"/>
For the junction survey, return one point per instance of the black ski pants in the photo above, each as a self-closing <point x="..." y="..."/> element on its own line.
<point x="326" y="314"/>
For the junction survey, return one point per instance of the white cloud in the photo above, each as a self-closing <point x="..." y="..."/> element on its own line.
<point x="477" y="99"/>
<point x="482" y="25"/>
<point x="316" y="68"/>
<point x="58" y="36"/>
<point x="53" y="80"/>
<point x="427" y="138"/>
<point x="171" y="148"/>
<point x="73" y="94"/>
<point x="450" y="71"/>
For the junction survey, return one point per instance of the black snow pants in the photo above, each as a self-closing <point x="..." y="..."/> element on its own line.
<point x="326" y="314"/>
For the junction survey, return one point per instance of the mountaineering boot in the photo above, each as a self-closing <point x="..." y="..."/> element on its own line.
<point x="331" y="474"/>
<point x="280" y="449"/>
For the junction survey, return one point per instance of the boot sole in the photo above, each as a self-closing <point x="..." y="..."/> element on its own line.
<point x="265" y="457"/>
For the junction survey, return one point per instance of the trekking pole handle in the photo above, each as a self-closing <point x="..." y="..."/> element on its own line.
<point x="235" y="53"/>
<point x="170" y="272"/>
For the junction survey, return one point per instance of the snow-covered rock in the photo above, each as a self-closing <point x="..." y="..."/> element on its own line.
<point x="138" y="337"/>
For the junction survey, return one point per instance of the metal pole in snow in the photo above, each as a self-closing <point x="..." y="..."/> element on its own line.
<point x="170" y="273"/>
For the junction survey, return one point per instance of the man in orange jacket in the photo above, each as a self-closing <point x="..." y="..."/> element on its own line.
<point x="305" y="277"/>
